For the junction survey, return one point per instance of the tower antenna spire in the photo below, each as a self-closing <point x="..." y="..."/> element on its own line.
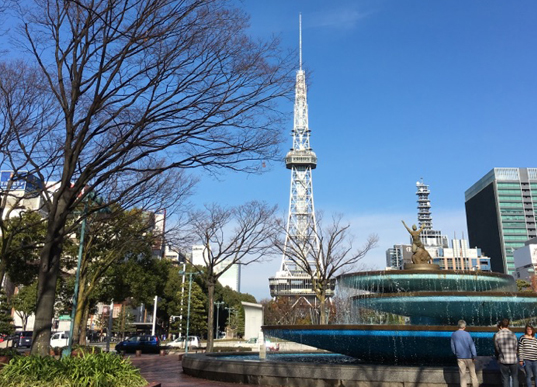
<point x="301" y="233"/>
<point x="300" y="39"/>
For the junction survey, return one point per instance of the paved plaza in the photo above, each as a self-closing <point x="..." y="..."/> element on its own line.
<point x="168" y="371"/>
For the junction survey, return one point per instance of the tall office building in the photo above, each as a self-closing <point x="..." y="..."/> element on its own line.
<point x="500" y="214"/>
<point x="397" y="256"/>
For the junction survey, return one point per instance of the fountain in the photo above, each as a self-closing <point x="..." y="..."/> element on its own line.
<point x="432" y="302"/>
<point x="417" y="351"/>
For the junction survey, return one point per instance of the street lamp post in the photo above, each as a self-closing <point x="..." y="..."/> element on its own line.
<point x="154" y="316"/>
<point x="67" y="351"/>
<point x="91" y="196"/>
<point x="218" y="304"/>
<point x="190" y="274"/>
<point x="230" y="311"/>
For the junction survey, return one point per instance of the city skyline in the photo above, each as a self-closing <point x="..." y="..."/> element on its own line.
<point x="397" y="91"/>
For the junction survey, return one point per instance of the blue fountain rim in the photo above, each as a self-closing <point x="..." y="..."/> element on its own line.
<point x="432" y="271"/>
<point x="480" y="295"/>
<point x="367" y="327"/>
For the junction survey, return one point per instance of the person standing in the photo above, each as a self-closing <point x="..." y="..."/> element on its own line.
<point x="527" y="354"/>
<point x="463" y="347"/>
<point x="506" y="345"/>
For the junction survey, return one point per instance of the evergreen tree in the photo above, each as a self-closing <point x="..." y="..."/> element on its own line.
<point x="122" y="325"/>
<point x="24" y="302"/>
<point x="6" y="321"/>
<point x="198" y="311"/>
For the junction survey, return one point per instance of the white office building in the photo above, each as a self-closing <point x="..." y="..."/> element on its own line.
<point x="526" y="260"/>
<point x="231" y="278"/>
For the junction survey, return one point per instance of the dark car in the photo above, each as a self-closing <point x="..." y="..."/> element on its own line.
<point x="21" y="339"/>
<point x="144" y="343"/>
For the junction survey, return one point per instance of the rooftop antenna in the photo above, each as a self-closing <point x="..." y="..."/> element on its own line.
<point x="300" y="39"/>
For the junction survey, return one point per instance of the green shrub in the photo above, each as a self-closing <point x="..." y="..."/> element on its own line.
<point x="9" y="352"/>
<point x="89" y="370"/>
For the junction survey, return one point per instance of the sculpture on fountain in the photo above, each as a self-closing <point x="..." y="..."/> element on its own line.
<point x="420" y="256"/>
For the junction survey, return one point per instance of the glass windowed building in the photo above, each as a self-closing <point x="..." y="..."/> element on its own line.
<point x="500" y="214"/>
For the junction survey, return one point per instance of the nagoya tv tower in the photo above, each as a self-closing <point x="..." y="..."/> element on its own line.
<point x="291" y="280"/>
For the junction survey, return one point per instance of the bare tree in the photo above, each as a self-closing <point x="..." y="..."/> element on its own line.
<point x="324" y="254"/>
<point x="126" y="90"/>
<point x="231" y="236"/>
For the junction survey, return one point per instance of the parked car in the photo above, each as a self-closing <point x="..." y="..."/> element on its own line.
<point x="21" y="339"/>
<point x="194" y="342"/>
<point x="59" y="339"/>
<point x="145" y="343"/>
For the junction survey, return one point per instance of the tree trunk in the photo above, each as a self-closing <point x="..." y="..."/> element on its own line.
<point x="123" y="316"/>
<point x="80" y="309"/>
<point x="2" y="271"/>
<point x="49" y="268"/>
<point x="84" y="325"/>
<point x="322" y="303"/>
<point x="210" y="318"/>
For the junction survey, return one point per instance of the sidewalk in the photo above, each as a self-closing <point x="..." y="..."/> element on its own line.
<point x="168" y="371"/>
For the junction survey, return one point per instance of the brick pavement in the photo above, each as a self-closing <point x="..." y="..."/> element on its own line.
<point x="168" y="371"/>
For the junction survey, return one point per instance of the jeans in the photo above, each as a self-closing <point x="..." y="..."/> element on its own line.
<point x="530" y="366"/>
<point x="465" y="364"/>
<point x="509" y="370"/>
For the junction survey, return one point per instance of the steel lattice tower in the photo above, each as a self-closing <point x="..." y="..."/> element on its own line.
<point x="424" y="206"/>
<point x="301" y="224"/>
<point x="429" y="236"/>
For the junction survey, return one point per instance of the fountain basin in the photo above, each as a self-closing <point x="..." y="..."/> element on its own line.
<point x="393" y="281"/>
<point x="247" y="368"/>
<point x="387" y="344"/>
<point x="446" y="308"/>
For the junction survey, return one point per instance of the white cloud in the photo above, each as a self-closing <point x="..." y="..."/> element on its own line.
<point x="341" y="18"/>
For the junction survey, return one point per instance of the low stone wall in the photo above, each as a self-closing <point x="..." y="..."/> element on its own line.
<point x="269" y="373"/>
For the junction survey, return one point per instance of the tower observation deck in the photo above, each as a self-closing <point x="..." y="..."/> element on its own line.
<point x="292" y="280"/>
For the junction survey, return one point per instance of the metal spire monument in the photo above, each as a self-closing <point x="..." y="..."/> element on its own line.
<point x="291" y="280"/>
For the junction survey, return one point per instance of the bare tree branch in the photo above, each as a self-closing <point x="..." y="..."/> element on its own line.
<point x="231" y="236"/>
<point x="127" y="90"/>
<point x="324" y="254"/>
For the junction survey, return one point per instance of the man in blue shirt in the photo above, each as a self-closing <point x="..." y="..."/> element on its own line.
<point x="463" y="347"/>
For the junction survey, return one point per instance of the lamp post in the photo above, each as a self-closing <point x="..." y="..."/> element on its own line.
<point x="91" y="196"/>
<point x="190" y="274"/>
<point x="230" y="311"/>
<point x="154" y="316"/>
<point x="218" y="304"/>
<point x="180" y="333"/>
<point x="67" y="350"/>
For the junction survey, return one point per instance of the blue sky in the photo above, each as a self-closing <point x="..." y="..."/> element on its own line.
<point x="398" y="91"/>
